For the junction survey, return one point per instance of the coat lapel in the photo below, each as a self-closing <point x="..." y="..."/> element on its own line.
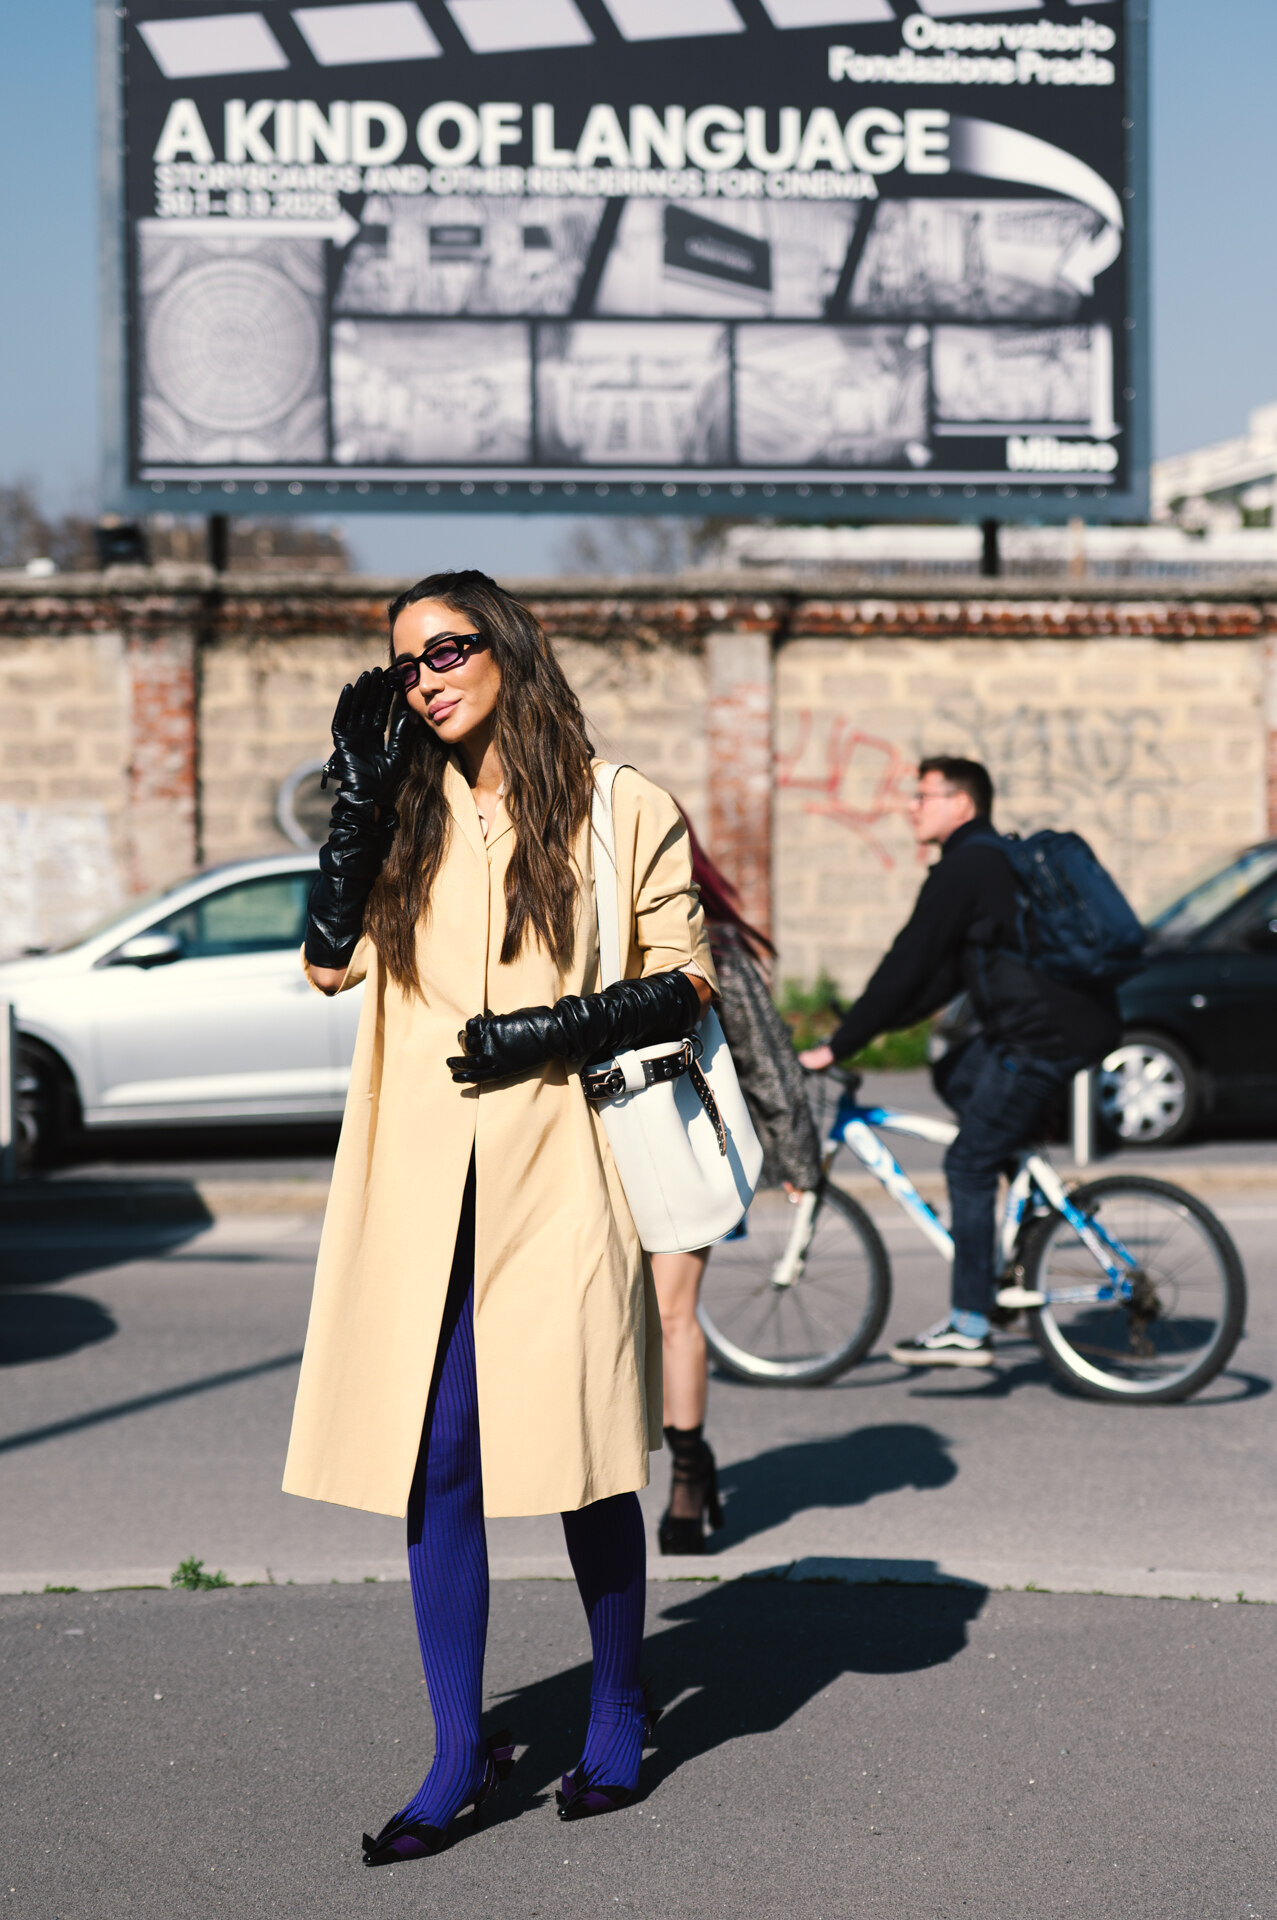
<point x="501" y="824"/>
<point x="456" y="791"/>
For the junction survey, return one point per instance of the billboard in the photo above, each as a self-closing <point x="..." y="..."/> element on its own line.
<point x="799" y="256"/>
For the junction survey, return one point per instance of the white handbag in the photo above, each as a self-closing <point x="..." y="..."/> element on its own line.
<point x="675" y="1117"/>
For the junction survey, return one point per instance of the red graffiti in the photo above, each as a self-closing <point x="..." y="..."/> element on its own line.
<point x="844" y="743"/>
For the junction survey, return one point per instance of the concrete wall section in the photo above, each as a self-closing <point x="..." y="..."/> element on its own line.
<point x="1155" y="753"/>
<point x="163" y="712"/>
<point x="739" y="730"/>
<point x="645" y="705"/>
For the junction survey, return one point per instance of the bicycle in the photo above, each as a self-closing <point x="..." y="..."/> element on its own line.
<point x="1133" y="1289"/>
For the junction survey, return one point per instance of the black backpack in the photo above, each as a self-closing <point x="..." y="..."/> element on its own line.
<point x="1074" y="923"/>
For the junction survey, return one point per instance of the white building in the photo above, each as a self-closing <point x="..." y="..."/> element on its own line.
<point x="1231" y="484"/>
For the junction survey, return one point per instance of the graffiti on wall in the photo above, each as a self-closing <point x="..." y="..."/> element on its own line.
<point x="864" y="781"/>
<point x="1107" y="773"/>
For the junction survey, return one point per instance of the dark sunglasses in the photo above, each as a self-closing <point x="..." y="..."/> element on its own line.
<point x="441" y="656"/>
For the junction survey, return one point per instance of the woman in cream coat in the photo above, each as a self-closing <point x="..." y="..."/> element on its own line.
<point x="484" y="1335"/>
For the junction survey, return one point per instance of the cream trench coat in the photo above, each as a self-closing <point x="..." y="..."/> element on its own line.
<point x="567" y="1331"/>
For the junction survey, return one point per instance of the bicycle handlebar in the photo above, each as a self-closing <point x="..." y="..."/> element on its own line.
<point x="842" y="1076"/>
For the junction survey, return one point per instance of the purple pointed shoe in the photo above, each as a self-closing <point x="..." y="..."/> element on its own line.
<point x="403" y="1839"/>
<point x="579" y="1796"/>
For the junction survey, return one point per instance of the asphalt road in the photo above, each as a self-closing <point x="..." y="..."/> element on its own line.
<point x="892" y="1723"/>
<point x="149" y="1385"/>
<point x="828" y="1751"/>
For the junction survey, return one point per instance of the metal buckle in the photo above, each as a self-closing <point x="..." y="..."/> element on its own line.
<point x="600" y="1086"/>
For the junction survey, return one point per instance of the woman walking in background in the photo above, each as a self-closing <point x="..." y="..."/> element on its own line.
<point x="772" y="1083"/>
<point x="482" y="1337"/>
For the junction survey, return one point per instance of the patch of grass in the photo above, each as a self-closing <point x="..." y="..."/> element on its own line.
<point x="812" y="1012"/>
<point x="191" y="1575"/>
<point x="50" y="1588"/>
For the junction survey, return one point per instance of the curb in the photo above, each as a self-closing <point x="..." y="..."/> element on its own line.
<point x="1136" y="1583"/>
<point x="124" y="1203"/>
<point x="197" y="1203"/>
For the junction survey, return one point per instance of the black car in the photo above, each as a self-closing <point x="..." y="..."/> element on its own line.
<point x="1201" y="1015"/>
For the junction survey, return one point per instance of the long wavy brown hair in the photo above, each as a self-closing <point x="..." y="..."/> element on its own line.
<point x="545" y="755"/>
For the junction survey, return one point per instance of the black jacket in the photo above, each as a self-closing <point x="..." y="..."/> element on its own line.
<point x="957" y="940"/>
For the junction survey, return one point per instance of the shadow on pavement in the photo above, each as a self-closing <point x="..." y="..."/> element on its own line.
<point x="1004" y="1377"/>
<point x="50" y="1230"/>
<point x="742" y="1658"/>
<point x="844" y="1470"/>
<point x="43" y="1326"/>
<point x="997" y="1382"/>
<point x="1238" y="1385"/>
<point x="143" y="1402"/>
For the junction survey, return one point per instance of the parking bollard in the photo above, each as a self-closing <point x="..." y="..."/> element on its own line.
<point x="8" y="1077"/>
<point x="1082" y="1118"/>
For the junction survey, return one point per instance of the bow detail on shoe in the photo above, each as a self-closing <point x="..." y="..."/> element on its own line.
<point x="402" y="1839"/>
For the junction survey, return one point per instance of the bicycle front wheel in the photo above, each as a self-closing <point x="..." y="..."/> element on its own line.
<point x="766" y="1317"/>
<point x="1185" y="1315"/>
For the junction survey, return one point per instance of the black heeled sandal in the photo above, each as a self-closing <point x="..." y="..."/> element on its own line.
<point x="694" y="1466"/>
<point x="579" y="1796"/>
<point x="416" y="1839"/>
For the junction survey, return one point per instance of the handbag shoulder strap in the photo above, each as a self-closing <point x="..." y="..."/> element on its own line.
<point x="606" y="903"/>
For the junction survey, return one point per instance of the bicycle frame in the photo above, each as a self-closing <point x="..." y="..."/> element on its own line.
<point x="1036" y="1183"/>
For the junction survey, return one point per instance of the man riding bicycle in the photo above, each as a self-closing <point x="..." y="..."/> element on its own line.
<point x="1034" y="1034"/>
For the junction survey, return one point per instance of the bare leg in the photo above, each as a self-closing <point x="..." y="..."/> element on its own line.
<point x="678" y="1284"/>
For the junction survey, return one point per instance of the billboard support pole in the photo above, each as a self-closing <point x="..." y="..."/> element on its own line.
<point x="219" y="542"/>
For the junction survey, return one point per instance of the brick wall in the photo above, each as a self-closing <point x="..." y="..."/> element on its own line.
<point x="177" y="706"/>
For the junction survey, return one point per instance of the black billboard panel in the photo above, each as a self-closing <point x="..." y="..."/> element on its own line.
<point x="533" y="252"/>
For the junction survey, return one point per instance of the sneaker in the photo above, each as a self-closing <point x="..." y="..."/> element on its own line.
<point x="1020" y="1299"/>
<point x="943" y="1346"/>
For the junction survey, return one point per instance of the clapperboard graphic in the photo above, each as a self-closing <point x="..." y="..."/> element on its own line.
<point x="731" y="245"/>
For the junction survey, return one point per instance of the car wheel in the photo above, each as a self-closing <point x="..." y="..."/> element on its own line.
<point x="46" y="1109"/>
<point x="1147" y="1091"/>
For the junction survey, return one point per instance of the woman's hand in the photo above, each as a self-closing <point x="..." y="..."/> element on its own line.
<point x="816" y="1059"/>
<point x="327" y="979"/>
<point x="368" y="767"/>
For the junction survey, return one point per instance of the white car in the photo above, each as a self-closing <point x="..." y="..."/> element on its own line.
<point x="189" y="1008"/>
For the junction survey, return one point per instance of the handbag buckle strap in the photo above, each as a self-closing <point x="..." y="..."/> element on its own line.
<point x="605" y="1084"/>
<point x="710" y="1105"/>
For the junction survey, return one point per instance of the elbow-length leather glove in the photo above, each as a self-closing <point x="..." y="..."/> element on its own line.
<point x="369" y="769"/>
<point x="629" y="1013"/>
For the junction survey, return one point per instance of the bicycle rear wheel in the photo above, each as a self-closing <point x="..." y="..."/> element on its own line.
<point x="813" y="1328"/>
<point x="1186" y="1314"/>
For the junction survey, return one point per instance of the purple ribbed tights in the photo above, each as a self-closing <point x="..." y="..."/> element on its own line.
<point x="448" y="1571"/>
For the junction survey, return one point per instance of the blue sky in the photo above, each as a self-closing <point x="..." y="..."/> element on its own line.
<point x="1214" y="259"/>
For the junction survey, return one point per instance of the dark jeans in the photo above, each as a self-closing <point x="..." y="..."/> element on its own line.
<point x="1002" y="1101"/>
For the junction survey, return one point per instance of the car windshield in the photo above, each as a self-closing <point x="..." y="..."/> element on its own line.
<point x="115" y="918"/>
<point x="1192" y="911"/>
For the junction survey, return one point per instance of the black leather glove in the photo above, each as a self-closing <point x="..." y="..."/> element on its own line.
<point x="368" y="767"/>
<point x="349" y="862"/>
<point x="370" y="770"/>
<point x="627" y="1014"/>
